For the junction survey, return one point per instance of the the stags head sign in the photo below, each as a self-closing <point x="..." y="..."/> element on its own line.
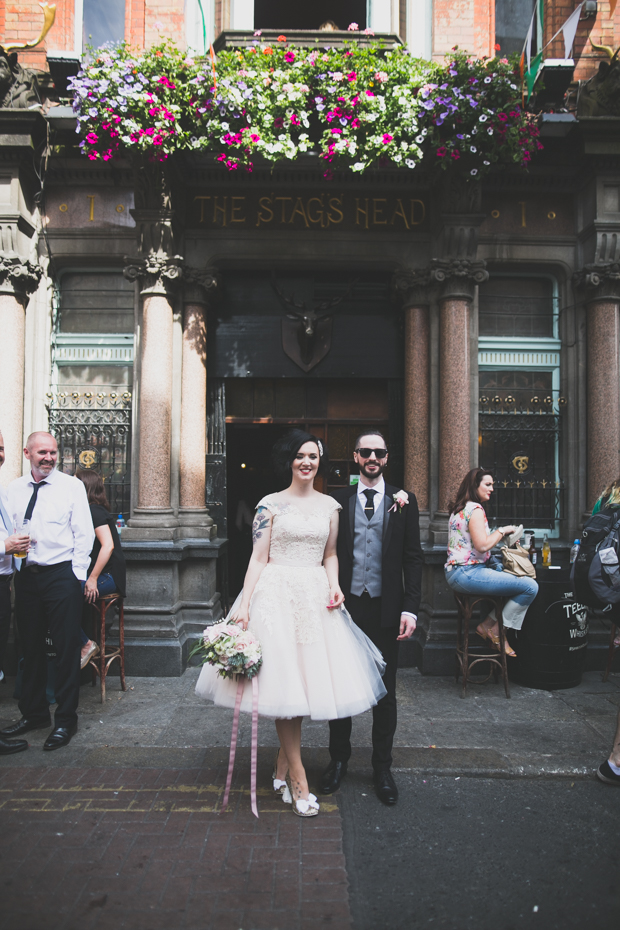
<point x="328" y="209"/>
<point x="307" y="328"/>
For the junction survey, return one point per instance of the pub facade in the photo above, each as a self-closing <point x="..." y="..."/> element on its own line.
<point x="169" y="341"/>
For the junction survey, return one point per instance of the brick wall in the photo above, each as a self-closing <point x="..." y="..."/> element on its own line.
<point x="470" y="24"/>
<point x="602" y="29"/>
<point x="22" y="21"/>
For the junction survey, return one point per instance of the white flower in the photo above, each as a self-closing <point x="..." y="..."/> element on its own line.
<point x="483" y="118"/>
<point x="486" y="162"/>
<point x="472" y="148"/>
<point x="410" y="163"/>
<point x="474" y="171"/>
<point x="401" y="499"/>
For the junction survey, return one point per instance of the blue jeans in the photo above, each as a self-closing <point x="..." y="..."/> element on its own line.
<point x="105" y="585"/>
<point x="474" y="579"/>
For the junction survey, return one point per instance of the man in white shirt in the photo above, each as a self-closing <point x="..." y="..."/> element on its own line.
<point x="48" y="593"/>
<point x="9" y="543"/>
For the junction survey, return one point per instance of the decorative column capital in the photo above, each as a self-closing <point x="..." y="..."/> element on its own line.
<point x="200" y="285"/>
<point x="455" y="277"/>
<point x="18" y="278"/>
<point x="158" y="274"/>
<point x="599" y="281"/>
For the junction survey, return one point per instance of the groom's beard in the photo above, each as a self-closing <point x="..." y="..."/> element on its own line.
<point x="374" y="473"/>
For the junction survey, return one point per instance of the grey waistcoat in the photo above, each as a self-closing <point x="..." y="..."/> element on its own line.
<point x="367" y="551"/>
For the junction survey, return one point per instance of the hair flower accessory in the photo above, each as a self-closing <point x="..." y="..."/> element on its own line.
<point x="320" y="445"/>
<point x="401" y="498"/>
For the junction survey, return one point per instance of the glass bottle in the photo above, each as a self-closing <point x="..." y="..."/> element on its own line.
<point x="546" y="552"/>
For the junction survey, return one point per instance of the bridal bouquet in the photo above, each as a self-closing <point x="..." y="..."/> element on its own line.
<point x="232" y="650"/>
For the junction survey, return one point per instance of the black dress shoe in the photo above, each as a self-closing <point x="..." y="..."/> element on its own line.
<point x="61" y="736"/>
<point x="8" y="746"/>
<point x="24" y="725"/>
<point x="385" y="787"/>
<point x="332" y="776"/>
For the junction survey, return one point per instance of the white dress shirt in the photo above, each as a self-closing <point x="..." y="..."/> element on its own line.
<point x="61" y="526"/>
<point x="6" y="561"/>
<point x="377" y="500"/>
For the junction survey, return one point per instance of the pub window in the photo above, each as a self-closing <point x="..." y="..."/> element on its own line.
<point x="103" y="22"/>
<point x="520" y="405"/>
<point x="89" y="402"/>
<point x="282" y="14"/>
<point x="512" y="21"/>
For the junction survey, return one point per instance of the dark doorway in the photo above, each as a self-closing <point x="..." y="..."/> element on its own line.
<point x="282" y="14"/>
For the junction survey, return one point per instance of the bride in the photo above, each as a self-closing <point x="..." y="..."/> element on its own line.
<point x="316" y="661"/>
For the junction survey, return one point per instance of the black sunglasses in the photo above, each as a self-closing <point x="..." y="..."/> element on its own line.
<point x="366" y="453"/>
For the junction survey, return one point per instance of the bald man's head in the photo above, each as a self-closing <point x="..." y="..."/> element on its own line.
<point x="42" y="453"/>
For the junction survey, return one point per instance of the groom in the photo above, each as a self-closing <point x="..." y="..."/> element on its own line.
<point x="380" y="573"/>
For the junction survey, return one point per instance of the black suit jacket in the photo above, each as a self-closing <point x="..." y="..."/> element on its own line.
<point x="401" y="566"/>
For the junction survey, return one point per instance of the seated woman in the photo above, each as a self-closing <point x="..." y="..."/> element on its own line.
<point x="469" y="549"/>
<point x="106" y="574"/>
<point x="610" y="500"/>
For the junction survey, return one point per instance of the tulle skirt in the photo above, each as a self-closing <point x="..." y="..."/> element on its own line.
<point x="316" y="662"/>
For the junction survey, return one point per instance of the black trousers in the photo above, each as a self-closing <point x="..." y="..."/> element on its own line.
<point x="366" y="612"/>
<point x="50" y="598"/>
<point x="5" y="617"/>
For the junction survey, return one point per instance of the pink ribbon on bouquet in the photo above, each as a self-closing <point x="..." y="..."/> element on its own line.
<point x="233" y="744"/>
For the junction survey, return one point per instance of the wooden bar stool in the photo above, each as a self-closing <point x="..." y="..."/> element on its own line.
<point x="612" y="651"/>
<point x="464" y="662"/>
<point x="101" y="662"/>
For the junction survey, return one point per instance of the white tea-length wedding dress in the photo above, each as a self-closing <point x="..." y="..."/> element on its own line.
<point x="316" y="662"/>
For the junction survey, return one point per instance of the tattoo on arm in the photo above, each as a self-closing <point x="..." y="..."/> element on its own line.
<point x="261" y="522"/>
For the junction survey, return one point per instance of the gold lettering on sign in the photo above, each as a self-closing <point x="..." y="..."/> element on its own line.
<point x="377" y="211"/>
<point x="234" y="208"/>
<point x="298" y="210"/>
<point x="91" y="214"/>
<point x="522" y="205"/>
<point x="217" y="209"/>
<point x="120" y="208"/>
<point x="320" y="214"/>
<point x="399" y="210"/>
<point x="203" y="201"/>
<point x="264" y="203"/>
<point x="361" y="210"/>
<point x="63" y="207"/>
<point x="550" y="215"/>
<point x="495" y="214"/>
<point x="417" y="216"/>
<point x="334" y="204"/>
<point x="284" y="202"/>
<point x="521" y="463"/>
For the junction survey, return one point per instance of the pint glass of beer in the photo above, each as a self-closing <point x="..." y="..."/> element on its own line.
<point x="23" y="528"/>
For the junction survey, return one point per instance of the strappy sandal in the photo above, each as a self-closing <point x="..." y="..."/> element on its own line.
<point x="279" y="786"/>
<point x="494" y="640"/>
<point x="303" y="807"/>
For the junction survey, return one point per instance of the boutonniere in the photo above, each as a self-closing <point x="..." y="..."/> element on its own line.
<point x="401" y="498"/>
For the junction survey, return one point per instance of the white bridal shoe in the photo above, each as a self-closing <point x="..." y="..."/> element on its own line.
<point x="279" y="785"/>
<point x="303" y="807"/>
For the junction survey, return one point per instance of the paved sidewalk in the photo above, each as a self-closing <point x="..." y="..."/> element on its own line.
<point x="122" y="829"/>
<point x="533" y="733"/>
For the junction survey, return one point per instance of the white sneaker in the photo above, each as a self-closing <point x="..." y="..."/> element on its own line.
<point x="515" y="537"/>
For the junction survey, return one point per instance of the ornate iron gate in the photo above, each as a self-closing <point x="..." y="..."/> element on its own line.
<point x="93" y="430"/>
<point x="519" y="442"/>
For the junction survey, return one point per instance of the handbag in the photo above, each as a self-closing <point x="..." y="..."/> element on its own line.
<point x="517" y="562"/>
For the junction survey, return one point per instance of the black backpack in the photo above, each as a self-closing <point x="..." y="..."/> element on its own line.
<point x="596" y="572"/>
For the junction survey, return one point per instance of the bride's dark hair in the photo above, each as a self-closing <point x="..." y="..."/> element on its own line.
<point x="286" y="448"/>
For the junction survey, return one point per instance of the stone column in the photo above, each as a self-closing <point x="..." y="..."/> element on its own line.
<point x="17" y="280"/>
<point x="153" y="512"/>
<point x="457" y="280"/>
<point x="193" y="515"/>
<point x="602" y="295"/>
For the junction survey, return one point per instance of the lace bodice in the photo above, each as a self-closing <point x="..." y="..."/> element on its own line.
<point x="299" y="538"/>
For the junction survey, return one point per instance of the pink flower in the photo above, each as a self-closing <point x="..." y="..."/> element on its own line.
<point x="502" y="117"/>
<point x="387" y="138"/>
<point x="442" y="151"/>
<point x="369" y="93"/>
<point x="290" y="57"/>
<point x="254" y="137"/>
<point x="353" y="27"/>
<point x="368" y="32"/>
<point x="352" y="76"/>
<point x="92" y="137"/>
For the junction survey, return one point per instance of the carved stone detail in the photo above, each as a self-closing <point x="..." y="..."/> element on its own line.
<point x="200" y="286"/>
<point x="600" y="280"/>
<point x="19" y="278"/>
<point x="455" y="277"/>
<point x="18" y="86"/>
<point x="158" y="274"/>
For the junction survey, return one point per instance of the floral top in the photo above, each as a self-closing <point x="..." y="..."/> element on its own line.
<point x="460" y="548"/>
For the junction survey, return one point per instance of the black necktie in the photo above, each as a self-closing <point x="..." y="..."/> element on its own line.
<point x="369" y="509"/>
<point x="33" y="500"/>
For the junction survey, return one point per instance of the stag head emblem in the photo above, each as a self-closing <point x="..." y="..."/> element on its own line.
<point x="307" y="331"/>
